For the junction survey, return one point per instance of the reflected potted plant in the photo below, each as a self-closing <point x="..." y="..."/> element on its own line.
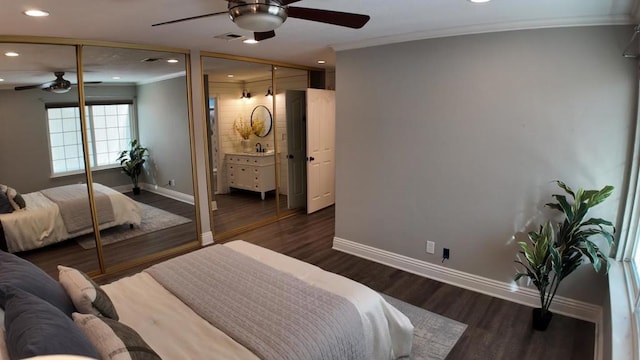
<point x="555" y="251"/>
<point x="131" y="162"/>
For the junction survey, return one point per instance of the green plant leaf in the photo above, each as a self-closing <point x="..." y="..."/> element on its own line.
<point x="564" y="205"/>
<point x="565" y="188"/>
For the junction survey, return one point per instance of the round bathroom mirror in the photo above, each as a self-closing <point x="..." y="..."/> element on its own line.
<point x="261" y="114"/>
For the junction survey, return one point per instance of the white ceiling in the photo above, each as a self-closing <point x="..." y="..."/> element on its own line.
<point x="298" y="41"/>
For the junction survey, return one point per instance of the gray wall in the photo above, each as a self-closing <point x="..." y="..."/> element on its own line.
<point x="456" y="140"/>
<point x="163" y="125"/>
<point x="24" y="146"/>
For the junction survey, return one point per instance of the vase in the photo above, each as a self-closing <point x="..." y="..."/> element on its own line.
<point x="246" y="145"/>
<point x="541" y="319"/>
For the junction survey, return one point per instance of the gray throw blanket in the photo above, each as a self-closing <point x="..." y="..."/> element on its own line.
<point x="272" y="313"/>
<point x="73" y="202"/>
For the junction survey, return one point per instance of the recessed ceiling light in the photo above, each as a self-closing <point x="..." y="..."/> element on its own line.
<point x="36" y="13"/>
<point x="250" y="41"/>
<point x="173" y="61"/>
<point x="1" y="80"/>
<point x="322" y="62"/>
<point x="11" y="54"/>
<point x="479" y="1"/>
<point x="230" y="75"/>
<point x="116" y="78"/>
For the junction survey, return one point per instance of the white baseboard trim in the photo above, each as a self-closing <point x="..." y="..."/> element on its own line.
<point x="502" y="290"/>
<point x="206" y="238"/>
<point x="176" y="195"/>
<point x="510" y="292"/>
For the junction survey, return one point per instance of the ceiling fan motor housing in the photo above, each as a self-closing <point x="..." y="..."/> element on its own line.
<point x="258" y="15"/>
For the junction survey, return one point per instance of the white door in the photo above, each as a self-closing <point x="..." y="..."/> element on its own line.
<point x="296" y="149"/>
<point x="321" y="131"/>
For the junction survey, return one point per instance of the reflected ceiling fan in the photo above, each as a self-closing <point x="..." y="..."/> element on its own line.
<point x="59" y="86"/>
<point x="264" y="16"/>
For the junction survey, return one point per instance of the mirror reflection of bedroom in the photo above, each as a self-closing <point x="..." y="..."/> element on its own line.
<point x="137" y="136"/>
<point x="248" y="148"/>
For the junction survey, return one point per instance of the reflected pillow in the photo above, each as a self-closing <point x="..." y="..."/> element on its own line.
<point x="34" y="327"/>
<point x="24" y="275"/>
<point x="114" y="340"/>
<point x="87" y="296"/>
<point x="5" y="204"/>
<point x="16" y="200"/>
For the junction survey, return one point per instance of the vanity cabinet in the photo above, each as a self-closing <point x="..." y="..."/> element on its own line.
<point x="251" y="172"/>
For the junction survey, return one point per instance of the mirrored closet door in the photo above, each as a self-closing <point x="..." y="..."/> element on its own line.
<point x="139" y="139"/>
<point x="241" y="128"/>
<point x="290" y="96"/>
<point x="134" y="135"/>
<point x="42" y="159"/>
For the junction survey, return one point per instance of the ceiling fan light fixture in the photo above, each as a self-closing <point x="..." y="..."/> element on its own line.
<point x="261" y="16"/>
<point x="58" y="89"/>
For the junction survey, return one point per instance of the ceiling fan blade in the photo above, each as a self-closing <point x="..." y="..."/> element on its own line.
<point x="355" y="21"/>
<point x="259" y="36"/>
<point x="287" y="2"/>
<point x="39" y="86"/>
<point x="191" y="18"/>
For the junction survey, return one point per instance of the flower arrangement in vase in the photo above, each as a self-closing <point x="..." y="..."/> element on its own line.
<point x="245" y="130"/>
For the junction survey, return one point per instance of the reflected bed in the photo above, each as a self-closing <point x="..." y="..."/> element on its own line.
<point x="60" y="213"/>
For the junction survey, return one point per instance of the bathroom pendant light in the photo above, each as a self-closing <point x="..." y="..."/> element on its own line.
<point x="269" y="92"/>
<point x="245" y="94"/>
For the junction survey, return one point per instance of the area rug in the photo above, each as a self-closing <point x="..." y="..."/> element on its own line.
<point x="153" y="219"/>
<point x="433" y="335"/>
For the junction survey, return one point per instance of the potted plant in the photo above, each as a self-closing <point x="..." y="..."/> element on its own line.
<point x="555" y="251"/>
<point x="131" y="162"/>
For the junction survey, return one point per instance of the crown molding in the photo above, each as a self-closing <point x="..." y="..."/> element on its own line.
<point x="496" y="27"/>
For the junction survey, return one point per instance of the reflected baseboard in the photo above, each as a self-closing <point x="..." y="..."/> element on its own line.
<point x="175" y="195"/>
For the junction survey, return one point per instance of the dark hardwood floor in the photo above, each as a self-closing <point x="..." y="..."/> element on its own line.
<point x="240" y="208"/>
<point x="497" y="329"/>
<point x="69" y="253"/>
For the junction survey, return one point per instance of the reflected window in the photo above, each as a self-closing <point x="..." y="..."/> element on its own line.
<point x="110" y="128"/>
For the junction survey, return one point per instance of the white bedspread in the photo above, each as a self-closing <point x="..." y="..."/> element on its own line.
<point x="40" y="224"/>
<point x="175" y="332"/>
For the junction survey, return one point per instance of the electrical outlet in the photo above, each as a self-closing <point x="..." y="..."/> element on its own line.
<point x="431" y="247"/>
<point x="172" y="182"/>
<point x="445" y="254"/>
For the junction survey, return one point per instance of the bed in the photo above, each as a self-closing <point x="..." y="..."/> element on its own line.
<point x="271" y="307"/>
<point x="56" y="214"/>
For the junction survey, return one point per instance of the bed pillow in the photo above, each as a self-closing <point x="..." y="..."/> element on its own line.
<point x="5" y="204"/>
<point x="15" y="199"/>
<point x="114" y="340"/>
<point x="34" y="327"/>
<point x="24" y="275"/>
<point x="86" y="295"/>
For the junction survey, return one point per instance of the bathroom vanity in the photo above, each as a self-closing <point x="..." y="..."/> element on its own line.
<point x="254" y="172"/>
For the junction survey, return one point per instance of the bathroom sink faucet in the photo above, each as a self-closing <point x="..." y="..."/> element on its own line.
<point x="258" y="147"/>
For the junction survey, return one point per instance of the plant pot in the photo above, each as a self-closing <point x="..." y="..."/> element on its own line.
<point x="541" y="319"/>
<point x="136" y="191"/>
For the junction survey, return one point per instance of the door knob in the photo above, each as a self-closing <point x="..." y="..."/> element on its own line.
<point x="289" y="156"/>
<point x="311" y="158"/>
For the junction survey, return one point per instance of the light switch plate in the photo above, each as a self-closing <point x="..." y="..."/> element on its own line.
<point x="431" y="247"/>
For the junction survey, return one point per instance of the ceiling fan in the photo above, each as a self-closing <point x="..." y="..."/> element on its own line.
<point x="59" y="86"/>
<point x="264" y="16"/>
